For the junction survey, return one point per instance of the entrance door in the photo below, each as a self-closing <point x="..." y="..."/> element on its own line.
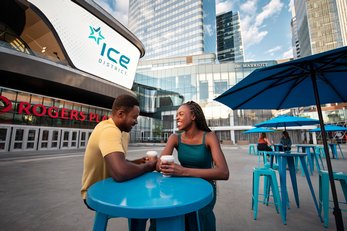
<point x="84" y="136"/>
<point x="49" y="139"/>
<point x="69" y="139"/>
<point x="5" y="135"/>
<point x="24" y="139"/>
<point x="166" y="135"/>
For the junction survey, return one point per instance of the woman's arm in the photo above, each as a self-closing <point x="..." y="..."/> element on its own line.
<point x="268" y="141"/>
<point x="168" y="149"/>
<point x="220" y="171"/>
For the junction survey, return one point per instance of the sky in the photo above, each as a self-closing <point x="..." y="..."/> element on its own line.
<point x="265" y="25"/>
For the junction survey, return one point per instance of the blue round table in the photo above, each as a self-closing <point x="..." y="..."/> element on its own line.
<point x="151" y="195"/>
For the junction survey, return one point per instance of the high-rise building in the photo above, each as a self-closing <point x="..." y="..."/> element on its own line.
<point x="229" y="40"/>
<point x="295" y="38"/>
<point x="321" y="25"/>
<point x="174" y="28"/>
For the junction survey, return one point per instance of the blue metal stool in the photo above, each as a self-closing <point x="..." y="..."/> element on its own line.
<point x="319" y="152"/>
<point x="270" y="176"/>
<point x="252" y="149"/>
<point x="324" y="186"/>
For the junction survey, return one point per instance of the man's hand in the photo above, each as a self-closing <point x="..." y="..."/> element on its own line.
<point x="152" y="164"/>
<point x="121" y="169"/>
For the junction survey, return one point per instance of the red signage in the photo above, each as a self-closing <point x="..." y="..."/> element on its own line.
<point x="7" y="104"/>
<point x="53" y="112"/>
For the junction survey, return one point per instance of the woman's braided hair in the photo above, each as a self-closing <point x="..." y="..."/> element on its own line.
<point x="199" y="114"/>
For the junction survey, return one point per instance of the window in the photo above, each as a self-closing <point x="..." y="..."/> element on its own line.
<point x="203" y="89"/>
<point x="168" y="121"/>
<point x="220" y="87"/>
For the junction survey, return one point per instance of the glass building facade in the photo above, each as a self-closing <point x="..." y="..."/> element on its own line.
<point x="318" y="26"/>
<point x="229" y="40"/>
<point x="174" y="28"/>
<point x="295" y="39"/>
<point x="46" y="102"/>
<point x="321" y="24"/>
<point x="201" y="79"/>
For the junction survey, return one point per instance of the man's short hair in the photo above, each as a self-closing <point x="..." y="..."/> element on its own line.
<point x="125" y="102"/>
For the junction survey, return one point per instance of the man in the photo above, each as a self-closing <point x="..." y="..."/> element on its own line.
<point x="105" y="153"/>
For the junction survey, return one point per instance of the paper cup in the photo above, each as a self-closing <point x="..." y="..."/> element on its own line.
<point x="167" y="159"/>
<point x="152" y="155"/>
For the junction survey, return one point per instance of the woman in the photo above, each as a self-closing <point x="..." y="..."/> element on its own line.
<point x="286" y="141"/>
<point x="263" y="143"/>
<point x="199" y="154"/>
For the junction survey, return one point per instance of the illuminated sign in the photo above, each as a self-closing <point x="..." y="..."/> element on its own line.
<point x="52" y="111"/>
<point x="251" y="65"/>
<point x="7" y="104"/>
<point x="92" y="45"/>
<point x="254" y="65"/>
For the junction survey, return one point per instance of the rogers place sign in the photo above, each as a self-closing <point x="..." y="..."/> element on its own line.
<point x="52" y="111"/>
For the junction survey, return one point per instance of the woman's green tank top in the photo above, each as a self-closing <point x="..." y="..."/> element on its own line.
<point x="194" y="155"/>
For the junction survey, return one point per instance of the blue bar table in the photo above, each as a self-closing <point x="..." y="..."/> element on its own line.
<point x="277" y="147"/>
<point x="166" y="199"/>
<point x="333" y="148"/>
<point x="311" y="156"/>
<point x="283" y="159"/>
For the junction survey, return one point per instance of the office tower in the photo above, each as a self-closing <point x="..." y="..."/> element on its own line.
<point x="295" y="38"/>
<point x="322" y="25"/>
<point x="229" y="40"/>
<point x="174" y="28"/>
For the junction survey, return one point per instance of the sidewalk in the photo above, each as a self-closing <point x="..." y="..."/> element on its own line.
<point x="43" y="193"/>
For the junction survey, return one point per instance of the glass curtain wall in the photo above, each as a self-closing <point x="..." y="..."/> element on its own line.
<point x="199" y="79"/>
<point x="173" y="28"/>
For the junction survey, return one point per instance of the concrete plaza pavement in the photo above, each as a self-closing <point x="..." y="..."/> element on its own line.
<point x="41" y="191"/>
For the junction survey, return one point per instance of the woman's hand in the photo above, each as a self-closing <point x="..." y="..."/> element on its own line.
<point x="171" y="169"/>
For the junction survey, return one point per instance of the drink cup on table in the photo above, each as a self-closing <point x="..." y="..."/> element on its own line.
<point x="167" y="159"/>
<point x="152" y="155"/>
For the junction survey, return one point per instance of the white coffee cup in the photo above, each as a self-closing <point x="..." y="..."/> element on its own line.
<point x="152" y="155"/>
<point x="167" y="159"/>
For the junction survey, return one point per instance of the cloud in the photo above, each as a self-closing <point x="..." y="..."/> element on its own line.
<point x="272" y="51"/>
<point x="251" y="34"/>
<point x="223" y="6"/>
<point x="117" y="8"/>
<point x="253" y="24"/>
<point x="288" y="54"/>
<point x="272" y="9"/>
<point x="249" y="7"/>
<point x="209" y="29"/>
<point x="291" y="6"/>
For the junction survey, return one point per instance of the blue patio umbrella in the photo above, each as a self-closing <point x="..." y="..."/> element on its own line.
<point x="313" y="80"/>
<point x="330" y="128"/>
<point x="258" y="130"/>
<point x="287" y="121"/>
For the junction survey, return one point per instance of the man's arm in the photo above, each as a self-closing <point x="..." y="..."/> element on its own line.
<point x="139" y="161"/>
<point x="121" y="170"/>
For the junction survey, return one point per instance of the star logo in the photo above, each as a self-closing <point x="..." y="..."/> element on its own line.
<point x="95" y="33"/>
<point x="5" y="104"/>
